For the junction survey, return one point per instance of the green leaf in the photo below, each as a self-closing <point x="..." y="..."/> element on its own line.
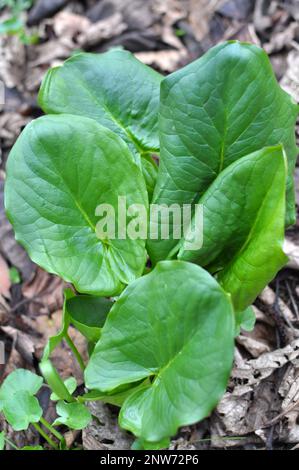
<point x="2" y="440"/>
<point x="243" y="230"/>
<point x="22" y="409"/>
<point x="32" y="448"/>
<point x="117" y="397"/>
<point x="141" y="444"/>
<point x="11" y="26"/>
<point x="245" y="320"/>
<point x="59" y="171"/>
<point x="223" y="106"/>
<point x="14" y="276"/>
<point x="19" y="380"/>
<point x="73" y="415"/>
<point x="116" y="90"/>
<point x="70" y="384"/>
<point x="88" y="314"/>
<point x="175" y="326"/>
<point x="47" y="369"/>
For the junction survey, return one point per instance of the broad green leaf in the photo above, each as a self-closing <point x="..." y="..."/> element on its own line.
<point x="223" y="106"/>
<point x="70" y="384"/>
<point x="73" y="415"/>
<point x="22" y="409"/>
<point x="243" y="230"/>
<point x="2" y="440"/>
<point x="175" y="326"/>
<point x="59" y="171"/>
<point x="115" y="89"/>
<point x="88" y="314"/>
<point x="19" y="380"/>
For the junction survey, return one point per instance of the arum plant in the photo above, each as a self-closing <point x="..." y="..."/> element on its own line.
<point x="159" y="315"/>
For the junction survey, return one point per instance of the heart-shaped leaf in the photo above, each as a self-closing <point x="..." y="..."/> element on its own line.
<point x="99" y="90"/>
<point x="22" y="409"/>
<point x="243" y="231"/>
<point x="59" y="171"/>
<point x="19" y="380"/>
<point x="73" y="415"/>
<point x="17" y="400"/>
<point x="175" y="326"/>
<point x="223" y="106"/>
<point x="88" y="314"/>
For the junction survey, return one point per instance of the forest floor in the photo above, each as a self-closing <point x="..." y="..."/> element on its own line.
<point x="261" y="407"/>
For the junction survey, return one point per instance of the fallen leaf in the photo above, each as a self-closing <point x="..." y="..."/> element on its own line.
<point x="102" y="30"/>
<point x="291" y="249"/>
<point x="5" y="283"/>
<point x="290" y="81"/>
<point x="107" y="435"/>
<point x="69" y="24"/>
<point x="201" y="12"/>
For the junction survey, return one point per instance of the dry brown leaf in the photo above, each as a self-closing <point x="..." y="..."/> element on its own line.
<point x="11" y="125"/>
<point x="252" y="399"/>
<point x="253" y="346"/>
<point x="22" y="342"/>
<point x="201" y="12"/>
<point x="5" y="283"/>
<point x="291" y="249"/>
<point x="46" y="289"/>
<point x="69" y="24"/>
<point x="171" y="11"/>
<point x="290" y="81"/>
<point x="12" y="62"/>
<point x="107" y="435"/>
<point x="102" y="30"/>
<point x="289" y="391"/>
<point x="268" y="296"/>
<point x="167" y="61"/>
<point x="282" y="39"/>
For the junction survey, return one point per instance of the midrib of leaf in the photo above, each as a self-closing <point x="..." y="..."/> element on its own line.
<point x="77" y="204"/>
<point x="85" y="215"/>
<point x="222" y="151"/>
<point x="178" y="353"/>
<point x="141" y="149"/>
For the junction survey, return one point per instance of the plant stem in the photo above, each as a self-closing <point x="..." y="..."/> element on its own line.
<point x="51" y="428"/>
<point x="11" y="444"/>
<point x="75" y="351"/>
<point x="45" y="436"/>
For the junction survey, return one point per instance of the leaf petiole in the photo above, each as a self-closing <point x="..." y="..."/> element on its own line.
<point x="11" y="443"/>
<point x="75" y="351"/>
<point x="45" y="436"/>
<point x="50" y="428"/>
